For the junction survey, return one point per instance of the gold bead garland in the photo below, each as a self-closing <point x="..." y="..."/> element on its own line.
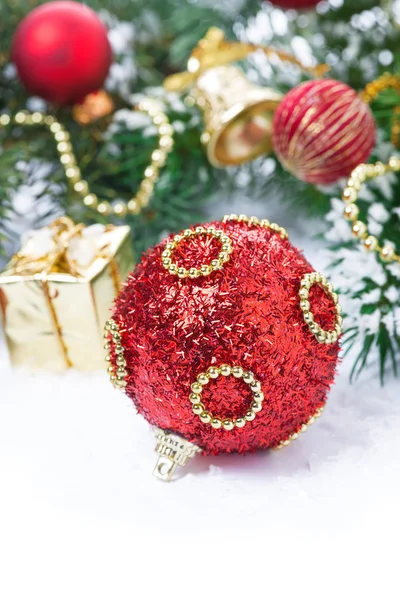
<point x="204" y="270"/>
<point x="68" y="160"/>
<point x="258" y="222"/>
<point x="323" y="336"/>
<point x="113" y="337"/>
<point x="350" y="196"/>
<point x="219" y="422"/>
<point x="302" y="429"/>
<point x="395" y="137"/>
<point x="374" y="88"/>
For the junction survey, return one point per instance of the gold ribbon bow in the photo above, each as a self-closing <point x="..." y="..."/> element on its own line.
<point x="58" y="260"/>
<point x="214" y="50"/>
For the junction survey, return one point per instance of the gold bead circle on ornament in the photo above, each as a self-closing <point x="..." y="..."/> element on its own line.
<point x="302" y="429"/>
<point x="351" y="212"/>
<point x="204" y="270"/>
<point x="118" y="373"/>
<point x="322" y="335"/>
<point x="256" y="222"/>
<point x="218" y="422"/>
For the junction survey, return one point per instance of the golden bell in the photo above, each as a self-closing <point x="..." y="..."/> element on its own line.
<point x="237" y="115"/>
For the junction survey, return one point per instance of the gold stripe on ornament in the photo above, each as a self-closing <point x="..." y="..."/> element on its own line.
<point x="337" y="153"/>
<point x="336" y="140"/>
<point x="255" y="221"/>
<point x="292" y="143"/>
<point x="73" y="173"/>
<point x="117" y="374"/>
<point x="302" y="429"/>
<point x="311" y="159"/>
<point x="204" y="270"/>
<point x="362" y="173"/>
<point x="319" y="86"/>
<point x="322" y="335"/>
<point x="218" y="422"/>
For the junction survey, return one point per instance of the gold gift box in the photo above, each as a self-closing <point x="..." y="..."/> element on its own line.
<point x="53" y="311"/>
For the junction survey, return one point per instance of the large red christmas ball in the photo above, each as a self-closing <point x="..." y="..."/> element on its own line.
<point x="61" y="52"/>
<point x="220" y="350"/>
<point x="296" y="4"/>
<point x="322" y="130"/>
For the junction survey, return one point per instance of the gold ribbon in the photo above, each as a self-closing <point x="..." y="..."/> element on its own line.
<point x="59" y="261"/>
<point x="372" y="91"/>
<point x="214" y="50"/>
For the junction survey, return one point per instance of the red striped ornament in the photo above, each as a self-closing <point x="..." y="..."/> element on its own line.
<point x="322" y="130"/>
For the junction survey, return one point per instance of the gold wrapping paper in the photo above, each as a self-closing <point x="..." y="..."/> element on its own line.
<point x="54" y="309"/>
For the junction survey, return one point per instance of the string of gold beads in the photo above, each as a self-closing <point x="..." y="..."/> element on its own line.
<point x="302" y="429"/>
<point x="375" y="87"/>
<point x="73" y="173"/>
<point x="322" y="335"/>
<point x="206" y="269"/>
<point x="258" y="222"/>
<point x="216" y="422"/>
<point x="372" y="91"/>
<point x="351" y="212"/>
<point x="395" y="135"/>
<point x="112" y="335"/>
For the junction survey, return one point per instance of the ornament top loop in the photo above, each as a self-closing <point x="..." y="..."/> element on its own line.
<point x="204" y="270"/>
<point x="173" y="451"/>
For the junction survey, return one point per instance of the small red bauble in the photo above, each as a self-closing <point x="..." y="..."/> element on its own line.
<point x="296" y="4"/>
<point x="322" y="130"/>
<point x="61" y="52"/>
<point x="244" y="319"/>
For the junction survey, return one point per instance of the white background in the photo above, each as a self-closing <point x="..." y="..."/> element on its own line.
<point x="82" y="517"/>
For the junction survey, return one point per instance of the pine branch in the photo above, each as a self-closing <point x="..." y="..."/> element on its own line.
<point x="370" y="287"/>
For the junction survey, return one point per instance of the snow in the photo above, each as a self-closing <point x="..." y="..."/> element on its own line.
<point x="82" y="517"/>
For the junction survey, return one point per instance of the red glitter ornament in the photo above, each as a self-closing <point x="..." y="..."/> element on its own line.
<point x="245" y="313"/>
<point x="322" y="130"/>
<point x="61" y="52"/>
<point x="296" y="4"/>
